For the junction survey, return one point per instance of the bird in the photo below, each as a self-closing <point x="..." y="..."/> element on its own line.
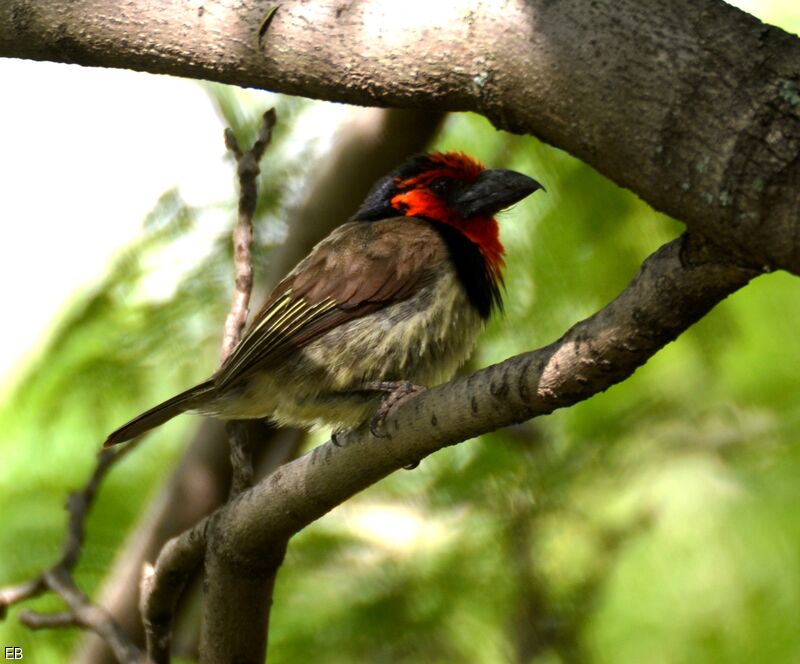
<point x="390" y="301"/>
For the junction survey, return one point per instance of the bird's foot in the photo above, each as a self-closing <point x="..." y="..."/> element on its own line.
<point x="339" y="436"/>
<point x="397" y="392"/>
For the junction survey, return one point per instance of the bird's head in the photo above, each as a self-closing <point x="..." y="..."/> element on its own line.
<point x="454" y="189"/>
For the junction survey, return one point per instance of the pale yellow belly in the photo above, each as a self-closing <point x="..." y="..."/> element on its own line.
<point x="423" y="339"/>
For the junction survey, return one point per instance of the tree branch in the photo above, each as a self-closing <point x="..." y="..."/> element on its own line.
<point x="163" y="584"/>
<point x="692" y="104"/>
<point x="58" y="579"/>
<point x="247" y="171"/>
<point x="676" y="286"/>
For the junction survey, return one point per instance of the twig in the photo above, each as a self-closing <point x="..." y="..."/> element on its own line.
<point x="248" y="170"/>
<point x="58" y="579"/>
<point x="36" y="620"/>
<point x="82" y="613"/>
<point x="15" y="594"/>
<point x="80" y="502"/>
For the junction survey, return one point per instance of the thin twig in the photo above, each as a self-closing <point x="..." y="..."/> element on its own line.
<point x="36" y="620"/>
<point x="58" y="579"/>
<point x="82" y="613"/>
<point x="80" y="502"/>
<point x="247" y="169"/>
<point x="14" y="594"/>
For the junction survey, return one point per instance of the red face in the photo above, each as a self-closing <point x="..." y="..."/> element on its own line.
<point x="428" y="194"/>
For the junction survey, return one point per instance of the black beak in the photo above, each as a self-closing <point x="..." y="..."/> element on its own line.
<point x="494" y="190"/>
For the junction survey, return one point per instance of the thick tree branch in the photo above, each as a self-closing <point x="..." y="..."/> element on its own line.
<point x="236" y="603"/>
<point x="675" y="287"/>
<point x="692" y="104"/>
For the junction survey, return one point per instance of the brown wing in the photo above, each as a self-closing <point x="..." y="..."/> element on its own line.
<point x="359" y="268"/>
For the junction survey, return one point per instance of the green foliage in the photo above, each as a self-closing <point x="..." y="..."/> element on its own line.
<point x="653" y="523"/>
<point x="150" y="328"/>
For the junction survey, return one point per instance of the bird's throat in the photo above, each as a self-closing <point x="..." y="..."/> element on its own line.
<point x="479" y="266"/>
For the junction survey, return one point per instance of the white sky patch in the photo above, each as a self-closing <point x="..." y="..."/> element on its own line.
<point x="84" y="155"/>
<point x="750" y="6"/>
<point x="785" y="13"/>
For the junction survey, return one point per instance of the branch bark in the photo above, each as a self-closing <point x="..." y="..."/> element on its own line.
<point x="692" y="104"/>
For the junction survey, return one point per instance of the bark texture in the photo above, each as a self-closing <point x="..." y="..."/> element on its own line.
<point x="692" y="104"/>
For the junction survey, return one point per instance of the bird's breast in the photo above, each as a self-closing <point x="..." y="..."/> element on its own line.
<point x="424" y="339"/>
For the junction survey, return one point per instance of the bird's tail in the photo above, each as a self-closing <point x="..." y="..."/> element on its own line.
<point x="159" y="414"/>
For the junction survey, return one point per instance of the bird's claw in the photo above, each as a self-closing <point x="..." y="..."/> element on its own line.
<point x="375" y="425"/>
<point x="397" y="392"/>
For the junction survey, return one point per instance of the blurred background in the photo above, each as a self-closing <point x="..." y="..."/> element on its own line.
<point x="657" y="522"/>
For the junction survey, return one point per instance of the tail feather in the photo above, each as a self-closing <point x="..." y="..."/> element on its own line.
<point x="159" y="414"/>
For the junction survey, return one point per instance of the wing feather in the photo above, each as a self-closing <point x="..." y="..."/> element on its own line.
<point x="359" y="268"/>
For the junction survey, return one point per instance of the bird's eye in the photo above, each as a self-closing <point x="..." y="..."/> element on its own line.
<point x="440" y="186"/>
